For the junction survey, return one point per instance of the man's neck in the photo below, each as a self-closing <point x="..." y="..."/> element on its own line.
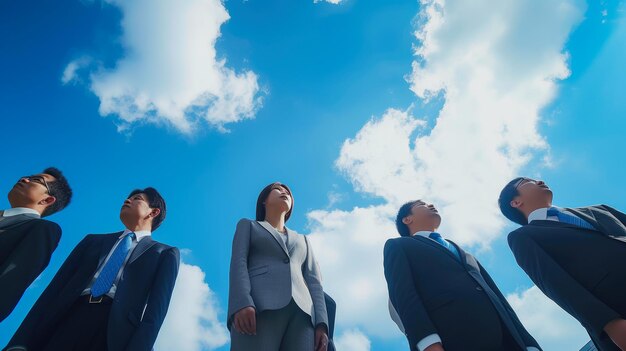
<point x="139" y="227"/>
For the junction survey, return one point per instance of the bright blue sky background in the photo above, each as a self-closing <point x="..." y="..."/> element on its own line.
<point x="327" y="69"/>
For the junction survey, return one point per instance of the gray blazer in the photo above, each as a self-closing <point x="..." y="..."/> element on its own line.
<point x="266" y="274"/>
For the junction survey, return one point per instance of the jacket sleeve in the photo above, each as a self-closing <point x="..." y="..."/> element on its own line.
<point x="403" y="295"/>
<point x="25" y="333"/>
<point x="558" y="285"/>
<point x="313" y="279"/>
<point x="529" y="341"/>
<point x="158" y="302"/>
<point x="239" y="281"/>
<point x="26" y="262"/>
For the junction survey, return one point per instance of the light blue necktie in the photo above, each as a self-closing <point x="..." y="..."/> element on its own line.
<point x="107" y="276"/>
<point x="569" y="219"/>
<point x="437" y="237"/>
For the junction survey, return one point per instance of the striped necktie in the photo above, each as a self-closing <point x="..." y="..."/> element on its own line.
<point x="438" y="238"/>
<point x="107" y="276"/>
<point x="569" y="219"/>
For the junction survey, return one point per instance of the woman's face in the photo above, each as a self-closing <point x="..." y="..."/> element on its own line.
<point x="279" y="198"/>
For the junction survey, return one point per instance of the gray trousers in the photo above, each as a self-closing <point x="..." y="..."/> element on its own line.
<point x="286" y="329"/>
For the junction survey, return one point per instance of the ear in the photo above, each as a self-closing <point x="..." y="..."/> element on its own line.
<point x="516" y="203"/>
<point x="407" y="220"/>
<point x="155" y="212"/>
<point x="48" y="201"/>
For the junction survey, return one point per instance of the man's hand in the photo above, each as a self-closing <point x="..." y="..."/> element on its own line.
<point x="321" y="338"/>
<point x="616" y="329"/>
<point x="245" y="321"/>
<point x="435" y="347"/>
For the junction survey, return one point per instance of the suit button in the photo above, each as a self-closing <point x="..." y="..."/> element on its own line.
<point x="286" y="260"/>
<point x="479" y="288"/>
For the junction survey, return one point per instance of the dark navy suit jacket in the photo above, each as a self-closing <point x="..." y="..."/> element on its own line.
<point x="141" y="299"/>
<point x="25" y="251"/>
<point x="435" y="293"/>
<point x="583" y="271"/>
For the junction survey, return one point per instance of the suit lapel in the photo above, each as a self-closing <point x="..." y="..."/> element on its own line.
<point x="587" y="215"/>
<point x="275" y="235"/>
<point x="106" y="246"/>
<point x="436" y="245"/>
<point x="466" y="259"/>
<point x="291" y="241"/>
<point x="143" y="246"/>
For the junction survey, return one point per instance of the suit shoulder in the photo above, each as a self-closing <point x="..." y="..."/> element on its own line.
<point x="519" y="231"/>
<point x="396" y="242"/>
<point x="45" y="228"/>
<point x="167" y="248"/>
<point x="46" y="225"/>
<point x="520" y="234"/>
<point x="163" y="245"/>
<point x="245" y="223"/>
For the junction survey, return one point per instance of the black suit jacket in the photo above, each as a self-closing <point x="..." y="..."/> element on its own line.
<point x="581" y="270"/>
<point x="25" y="250"/>
<point x="141" y="299"/>
<point x="433" y="292"/>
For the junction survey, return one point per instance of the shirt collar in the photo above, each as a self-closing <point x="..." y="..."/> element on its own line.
<point x="541" y="214"/>
<point x="424" y="233"/>
<point x="20" y="210"/>
<point x="140" y="234"/>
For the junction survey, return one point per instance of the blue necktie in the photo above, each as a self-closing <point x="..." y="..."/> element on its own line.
<point x="437" y="237"/>
<point x="107" y="276"/>
<point x="569" y="219"/>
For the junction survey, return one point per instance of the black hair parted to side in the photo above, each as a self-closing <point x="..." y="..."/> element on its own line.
<point x="155" y="200"/>
<point x="404" y="211"/>
<point x="508" y="193"/>
<point x="60" y="189"/>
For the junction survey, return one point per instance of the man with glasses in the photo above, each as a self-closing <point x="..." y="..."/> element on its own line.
<point x="26" y="240"/>
<point x="112" y="292"/>
<point x="576" y="256"/>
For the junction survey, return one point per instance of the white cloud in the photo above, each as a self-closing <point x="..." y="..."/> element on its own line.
<point x="171" y="73"/>
<point x="553" y="328"/>
<point x="495" y="65"/>
<point x="335" y="2"/>
<point x="352" y="340"/>
<point x="348" y="246"/>
<point x="191" y="323"/>
<point x="70" y="73"/>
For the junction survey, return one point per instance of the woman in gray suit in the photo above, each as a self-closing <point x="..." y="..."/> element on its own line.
<point x="275" y="300"/>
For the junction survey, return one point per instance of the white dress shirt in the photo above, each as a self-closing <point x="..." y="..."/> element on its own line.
<point x="432" y="338"/>
<point x="139" y="235"/>
<point x="9" y="212"/>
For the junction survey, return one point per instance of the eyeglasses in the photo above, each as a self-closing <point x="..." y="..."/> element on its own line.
<point x="39" y="180"/>
<point x="526" y="181"/>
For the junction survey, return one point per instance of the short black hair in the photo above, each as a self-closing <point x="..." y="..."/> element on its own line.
<point x="404" y="211"/>
<point x="60" y="189"/>
<point x="508" y="193"/>
<point x="155" y="200"/>
<point x="260" y="201"/>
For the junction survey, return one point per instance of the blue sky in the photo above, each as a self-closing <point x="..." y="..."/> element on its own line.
<point x="332" y="105"/>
